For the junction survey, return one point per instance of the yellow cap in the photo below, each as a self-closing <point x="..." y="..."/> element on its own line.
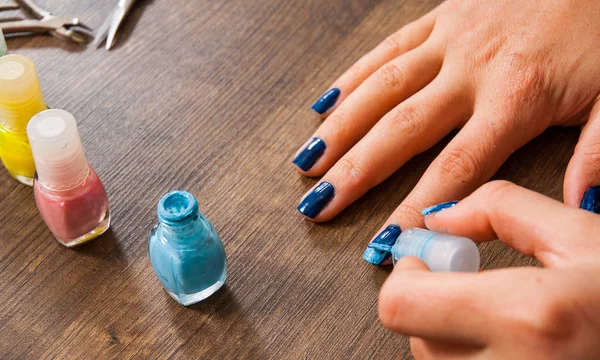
<point x="20" y="94"/>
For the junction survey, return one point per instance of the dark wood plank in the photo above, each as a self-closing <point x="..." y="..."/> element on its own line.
<point x="213" y="97"/>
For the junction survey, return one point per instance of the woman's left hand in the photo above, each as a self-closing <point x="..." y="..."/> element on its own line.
<point x="502" y="71"/>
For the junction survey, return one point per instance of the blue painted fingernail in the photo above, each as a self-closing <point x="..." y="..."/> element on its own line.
<point x="307" y="158"/>
<point x="437" y="208"/>
<point x="591" y="200"/>
<point x="386" y="237"/>
<point x="327" y="101"/>
<point x="316" y="201"/>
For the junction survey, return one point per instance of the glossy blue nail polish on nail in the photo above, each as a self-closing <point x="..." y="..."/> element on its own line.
<point x="185" y="250"/>
<point x="307" y="158"/>
<point x="327" y="101"/>
<point x="386" y="237"/>
<point x="437" y="208"/>
<point x="591" y="200"/>
<point x="316" y="201"/>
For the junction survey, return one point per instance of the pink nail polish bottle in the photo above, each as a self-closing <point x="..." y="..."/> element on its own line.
<point x="68" y="192"/>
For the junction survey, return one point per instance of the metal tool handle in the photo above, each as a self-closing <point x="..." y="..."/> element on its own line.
<point x="5" y="7"/>
<point x="26" y="26"/>
<point x="34" y="9"/>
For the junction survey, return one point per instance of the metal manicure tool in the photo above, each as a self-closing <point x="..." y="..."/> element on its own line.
<point x="44" y="22"/>
<point x="108" y="30"/>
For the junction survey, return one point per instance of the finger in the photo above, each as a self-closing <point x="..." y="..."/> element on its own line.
<point x="409" y="129"/>
<point x="476" y="309"/>
<point x="411" y="263"/>
<point x="428" y="349"/>
<point x="524" y="220"/>
<point x="582" y="179"/>
<point x="406" y="39"/>
<point x="389" y="86"/>
<point x="462" y="308"/>
<point x="470" y="159"/>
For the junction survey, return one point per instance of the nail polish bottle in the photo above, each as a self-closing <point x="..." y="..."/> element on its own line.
<point x="185" y="250"/>
<point x="3" y="47"/>
<point x="68" y="192"/>
<point x="20" y="99"/>
<point x="441" y="252"/>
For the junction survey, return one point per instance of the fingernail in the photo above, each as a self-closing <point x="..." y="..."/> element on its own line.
<point x="307" y="158"/>
<point x="386" y="237"/>
<point x="315" y="202"/>
<point x="326" y="101"/>
<point x="591" y="200"/>
<point x="437" y="208"/>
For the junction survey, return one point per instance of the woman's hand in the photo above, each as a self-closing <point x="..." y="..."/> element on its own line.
<point x="502" y="71"/>
<point x="519" y="313"/>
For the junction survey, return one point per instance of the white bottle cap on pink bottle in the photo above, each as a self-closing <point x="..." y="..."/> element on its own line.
<point x="59" y="158"/>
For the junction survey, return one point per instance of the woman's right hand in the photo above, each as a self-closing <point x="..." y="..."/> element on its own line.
<point x="518" y="313"/>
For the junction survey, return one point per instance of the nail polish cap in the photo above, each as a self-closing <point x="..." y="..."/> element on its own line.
<point x="441" y="252"/>
<point x="20" y="94"/>
<point x="3" y="47"/>
<point x="57" y="150"/>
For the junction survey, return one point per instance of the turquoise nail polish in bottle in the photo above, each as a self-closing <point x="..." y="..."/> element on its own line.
<point x="185" y="250"/>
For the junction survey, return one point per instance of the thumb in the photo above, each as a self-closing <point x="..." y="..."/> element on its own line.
<point x="410" y="263"/>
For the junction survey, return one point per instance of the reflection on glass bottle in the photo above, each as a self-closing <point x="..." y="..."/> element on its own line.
<point x="185" y="250"/>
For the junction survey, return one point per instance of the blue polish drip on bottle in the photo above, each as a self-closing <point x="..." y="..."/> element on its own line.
<point x="185" y="250"/>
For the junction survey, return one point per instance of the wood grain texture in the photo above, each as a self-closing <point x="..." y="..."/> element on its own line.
<point x="213" y="97"/>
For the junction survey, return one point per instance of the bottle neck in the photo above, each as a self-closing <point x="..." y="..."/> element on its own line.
<point x="187" y="231"/>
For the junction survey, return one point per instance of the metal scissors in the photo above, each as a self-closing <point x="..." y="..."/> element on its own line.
<point x="108" y="30"/>
<point x="67" y="28"/>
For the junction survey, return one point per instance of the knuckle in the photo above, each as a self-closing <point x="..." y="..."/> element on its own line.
<point x="526" y="81"/>
<point x="354" y="172"/>
<point x="589" y="152"/>
<point x="394" y="43"/>
<point x="408" y="120"/>
<point x="460" y="164"/>
<point x="497" y="189"/>
<point x="408" y="213"/>
<point x="340" y="124"/>
<point x="391" y="76"/>
<point x="550" y="320"/>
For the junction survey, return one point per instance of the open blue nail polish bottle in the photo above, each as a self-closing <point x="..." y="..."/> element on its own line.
<point x="185" y="250"/>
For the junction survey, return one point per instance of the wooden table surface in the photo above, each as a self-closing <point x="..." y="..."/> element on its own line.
<point x="214" y="97"/>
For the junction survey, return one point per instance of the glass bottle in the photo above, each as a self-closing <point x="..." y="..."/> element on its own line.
<point x="69" y="195"/>
<point x="185" y="250"/>
<point x="20" y="99"/>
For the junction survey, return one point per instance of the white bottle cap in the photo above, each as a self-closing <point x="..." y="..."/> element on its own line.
<point x="57" y="150"/>
<point x="20" y="94"/>
<point x="3" y="47"/>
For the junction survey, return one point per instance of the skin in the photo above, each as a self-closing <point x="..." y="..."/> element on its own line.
<point x="500" y="71"/>
<point x="518" y="313"/>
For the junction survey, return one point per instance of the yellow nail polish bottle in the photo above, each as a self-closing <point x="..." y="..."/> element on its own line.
<point x="20" y="99"/>
<point x="3" y="47"/>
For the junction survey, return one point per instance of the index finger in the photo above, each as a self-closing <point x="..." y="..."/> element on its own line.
<point x="527" y="221"/>
<point x="464" y="308"/>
